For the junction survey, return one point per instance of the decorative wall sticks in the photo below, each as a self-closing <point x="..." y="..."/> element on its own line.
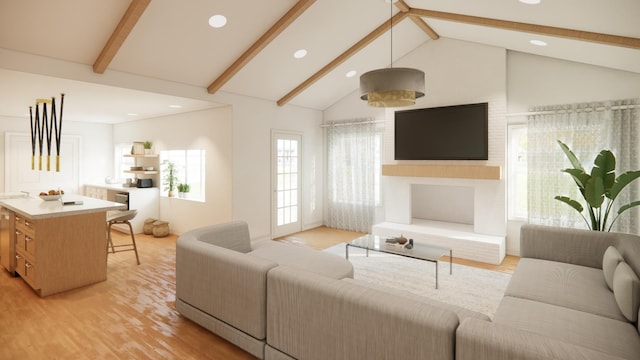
<point x="43" y="128"/>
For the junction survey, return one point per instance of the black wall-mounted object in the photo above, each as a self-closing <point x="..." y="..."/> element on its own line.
<point x="459" y="132"/>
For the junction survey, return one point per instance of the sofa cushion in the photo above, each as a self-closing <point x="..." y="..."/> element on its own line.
<point x="461" y="312"/>
<point x="305" y="258"/>
<point x="223" y="283"/>
<point x="618" y="338"/>
<point x="483" y="340"/>
<point x="232" y="235"/>
<point x="610" y="262"/>
<point x="316" y="317"/>
<point x="626" y="290"/>
<point x="573" y="286"/>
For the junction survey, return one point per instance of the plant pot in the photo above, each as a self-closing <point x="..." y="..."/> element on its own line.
<point x="171" y="194"/>
<point x="148" y="152"/>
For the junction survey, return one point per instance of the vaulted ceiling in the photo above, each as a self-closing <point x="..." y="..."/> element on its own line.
<point x="253" y="54"/>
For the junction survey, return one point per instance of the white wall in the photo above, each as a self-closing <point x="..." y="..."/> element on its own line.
<point x="456" y="72"/>
<point x="97" y="147"/>
<point x="537" y="81"/>
<point x="253" y="120"/>
<point x="210" y="130"/>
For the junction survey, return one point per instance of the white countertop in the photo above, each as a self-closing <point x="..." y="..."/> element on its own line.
<point x="36" y="208"/>
<point x="117" y="187"/>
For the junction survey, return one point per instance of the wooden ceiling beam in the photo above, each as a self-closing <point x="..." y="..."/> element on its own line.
<point x="400" y="4"/>
<point x="344" y="56"/>
<point x="119" y="35"/>
<point x="599" y="38"/>
<point x="287" y="19"/>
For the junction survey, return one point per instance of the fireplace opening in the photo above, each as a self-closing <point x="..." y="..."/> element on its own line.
<point x="443" y="203"/>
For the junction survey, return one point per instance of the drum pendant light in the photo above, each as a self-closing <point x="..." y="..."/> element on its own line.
<point x="392" y="87"/>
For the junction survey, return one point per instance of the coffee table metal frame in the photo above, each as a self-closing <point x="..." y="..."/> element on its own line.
<point x="419" y="251"/>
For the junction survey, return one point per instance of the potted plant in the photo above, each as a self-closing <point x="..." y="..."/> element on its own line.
<point x="599" y="189"/>
<point x="170" y="179"/>
<point x="147" y="147"/>
<point x="183" y="189"/>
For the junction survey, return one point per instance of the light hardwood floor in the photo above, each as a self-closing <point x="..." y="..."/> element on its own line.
<point x="131" y="315"/>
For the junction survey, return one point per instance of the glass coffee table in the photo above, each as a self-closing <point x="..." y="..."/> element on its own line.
<point x="419" y="251"/>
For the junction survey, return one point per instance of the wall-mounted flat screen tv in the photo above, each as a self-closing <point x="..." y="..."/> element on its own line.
<point x="457" y="132"/>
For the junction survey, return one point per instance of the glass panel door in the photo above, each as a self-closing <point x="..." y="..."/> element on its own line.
<point x="286" y="150"/>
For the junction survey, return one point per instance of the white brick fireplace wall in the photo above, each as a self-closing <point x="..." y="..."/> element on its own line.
<point x="466" y="214"/>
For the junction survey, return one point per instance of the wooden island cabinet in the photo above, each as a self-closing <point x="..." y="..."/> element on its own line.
<point x="59" y="247"/>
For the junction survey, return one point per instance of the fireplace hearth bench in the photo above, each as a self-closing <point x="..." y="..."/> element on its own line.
<point x="557" y="304"/>
<point x="461" y="238"/>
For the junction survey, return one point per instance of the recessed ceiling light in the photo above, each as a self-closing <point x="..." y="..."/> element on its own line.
<point x="175" y="106"/>
<point x="299" y="54"/>
<point x="530" y="2"/>
<point x="391" y="1"/>
<point x="538" y="42"/>
<point x="217" y="21"/>
<point x="351" y="73"/>
<point x="132" y="114"/>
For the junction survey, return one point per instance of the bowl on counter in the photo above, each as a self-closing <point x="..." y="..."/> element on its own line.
<point x="50" y="197"/>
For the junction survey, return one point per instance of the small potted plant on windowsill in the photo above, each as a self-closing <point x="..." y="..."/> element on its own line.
<point x="183" y="190"/>
<point x="170" y="179"/>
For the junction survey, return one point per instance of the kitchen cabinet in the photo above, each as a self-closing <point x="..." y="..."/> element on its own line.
<point x="96" y="192"/>
<point x="145" y="200"/>
<point x="7" y="240"/>
<point x="8" y="233"/>
<point x="59" y="247"/>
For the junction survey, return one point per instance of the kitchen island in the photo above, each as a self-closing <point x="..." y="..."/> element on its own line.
<point x="59" y="245"/>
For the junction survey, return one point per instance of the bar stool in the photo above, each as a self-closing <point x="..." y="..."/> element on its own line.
<point x="122" y="217"/>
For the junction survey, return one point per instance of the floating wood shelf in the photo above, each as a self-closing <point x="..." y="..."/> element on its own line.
<point x="483" y="172"/>
<point x="142" y="155"/>
<point x="141" y="172"/>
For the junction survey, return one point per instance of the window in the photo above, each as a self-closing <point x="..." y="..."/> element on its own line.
<point x="349" y="151"/>
<point x="517" y="164"/>
<point x="190" y="166"/>
<point x="122" y="162"/>
<point x="353" y="175"/>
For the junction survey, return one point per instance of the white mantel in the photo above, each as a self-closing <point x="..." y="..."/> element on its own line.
<point x="488" y="200"/>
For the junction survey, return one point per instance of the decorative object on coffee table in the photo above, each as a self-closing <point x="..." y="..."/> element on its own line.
<point x="409" y="246"/>
<point x="401" y="240"/>
<point x="390" y="246"/>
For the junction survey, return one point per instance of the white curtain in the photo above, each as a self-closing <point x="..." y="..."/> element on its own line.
<point x="587" y="129"/>
<point x="353" y="179"/>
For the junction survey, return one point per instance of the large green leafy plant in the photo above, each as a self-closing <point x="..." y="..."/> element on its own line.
<point x="599" y="188"/>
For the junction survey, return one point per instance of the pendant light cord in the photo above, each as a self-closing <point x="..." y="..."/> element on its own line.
<point x="391" y="32"/>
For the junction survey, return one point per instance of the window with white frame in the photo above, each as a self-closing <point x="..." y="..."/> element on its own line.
<point x="122" y="162"/>
<point x="190" y="170"/>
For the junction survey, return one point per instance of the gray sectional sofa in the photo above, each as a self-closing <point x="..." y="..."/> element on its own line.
<point x="558" y="304"/>
<point x="221" y="279"/>
<point x="286" y="302"/>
